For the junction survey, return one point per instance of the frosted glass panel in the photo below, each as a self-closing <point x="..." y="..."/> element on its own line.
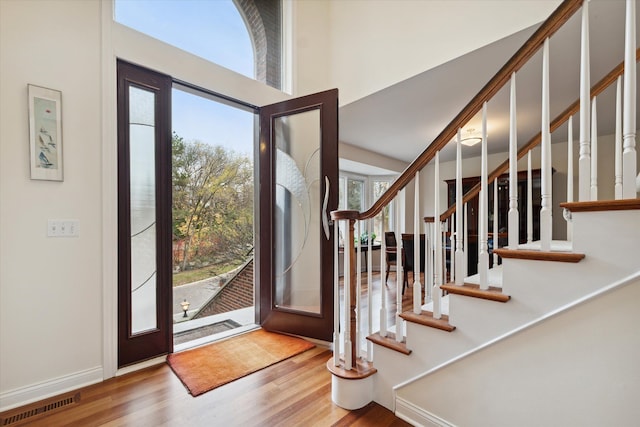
<point x="143" y="209"/>
<point x="297" y="215"/>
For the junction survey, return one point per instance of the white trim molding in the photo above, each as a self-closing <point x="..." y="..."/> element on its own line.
<point x="35" y="392"/>
<point x="417" y="416"/>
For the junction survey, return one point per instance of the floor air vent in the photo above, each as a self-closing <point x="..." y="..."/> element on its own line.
<point x="27" y="414"/>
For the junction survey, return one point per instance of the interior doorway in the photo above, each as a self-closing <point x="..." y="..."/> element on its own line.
<point x="212" y="217"/>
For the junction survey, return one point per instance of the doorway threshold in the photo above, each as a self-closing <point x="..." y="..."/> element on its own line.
<point x="227" y="324"/>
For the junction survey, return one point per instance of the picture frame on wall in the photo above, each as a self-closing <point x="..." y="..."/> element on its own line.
<point x="45" y="133"/>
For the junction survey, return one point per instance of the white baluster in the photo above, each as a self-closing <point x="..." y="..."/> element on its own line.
<point x="428" y="262"/>
<point x="629" y="162"/>
<point x="513" y="215"/>
<point x="417" y="285"/>
<point x="618" y="141"/>
<point x="336" y="294"/>
<point x="370" y="288"/>
<point x="545" y="187"/>
<point x="399" y="267"/>
<point x="452" y="249"/>
<point x="483" y="254"/>
<point x="495" y="221"/>
<point x="383" y="283"/>
<point x="584" y="161"/>
<point x="348" y="242"/>
<point x="465" y="241"/>
<point x="569" y="176"/>
<point x="437" y="239"/>
<point x="529" y="199"/>
<point x="358" y="290"/>
<point x="594" y="150"/>
<point x="443" y="238"/>
<point x="460" y="245"/>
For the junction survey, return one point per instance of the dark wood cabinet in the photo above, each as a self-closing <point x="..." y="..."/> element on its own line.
<point x="502" y="212"/>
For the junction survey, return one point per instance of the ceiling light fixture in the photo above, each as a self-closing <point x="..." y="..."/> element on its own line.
<point x="471" y="139"/>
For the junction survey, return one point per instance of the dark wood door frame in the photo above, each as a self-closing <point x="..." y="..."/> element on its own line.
<point x="270" y="317"/>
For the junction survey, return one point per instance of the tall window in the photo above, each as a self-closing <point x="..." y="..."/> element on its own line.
<point x="242" y="35"/>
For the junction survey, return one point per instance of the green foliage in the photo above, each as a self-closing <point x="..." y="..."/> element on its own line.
<point x="212" y="203"/>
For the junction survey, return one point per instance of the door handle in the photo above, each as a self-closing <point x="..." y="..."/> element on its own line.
<point x="325" y="215"/>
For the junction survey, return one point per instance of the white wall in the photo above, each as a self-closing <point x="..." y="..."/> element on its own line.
<point x="539" y="377"/>
<point x="374" y="45"/>
<point x="50" y="288"/>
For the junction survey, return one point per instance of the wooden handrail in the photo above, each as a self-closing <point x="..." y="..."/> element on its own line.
<point x="517" y="61"/>
<point x="596" y="90"/>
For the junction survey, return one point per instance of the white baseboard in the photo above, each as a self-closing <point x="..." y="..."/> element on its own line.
<point x="32" y="393"/>
<point x="417" y="416"/>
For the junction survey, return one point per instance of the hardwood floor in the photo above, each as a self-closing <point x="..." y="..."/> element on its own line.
<point x="295" y="392"/>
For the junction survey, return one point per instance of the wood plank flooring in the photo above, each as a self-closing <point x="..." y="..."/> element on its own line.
<point x="295" y="392"/>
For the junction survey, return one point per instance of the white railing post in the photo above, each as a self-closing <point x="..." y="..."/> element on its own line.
<point x="370" y="288"/>
<point x="483" y="254"/>
<point x="348" y="247"/>
<point x="452" y="248"/>
<point x="569" y="177"/>
<point x="495" y="221"/>
<point x="584" y="161"/>
<point x="529" y="199"/>
<point x="399" y="267"/>
<point x="465" y="240"/>
<point x="383" y="283"/>
<point x="437" y="239"/>
<point x="594" y="150"/>
<point x="629" y="162"/>
<point x="417" y="284"/>
<point x="618" y="141"/>
<point x="460" y="245"/>
<point x="336" y="294"/>
<point x="545" y="185"/>
<point x="358" y="290"/>
<point x="428" y="263"/>
<point x="513" y="215"/>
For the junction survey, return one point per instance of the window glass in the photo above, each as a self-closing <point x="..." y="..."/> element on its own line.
<point x="211" y="29"/>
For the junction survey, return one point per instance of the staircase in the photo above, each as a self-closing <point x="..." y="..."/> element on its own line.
<point x="440" y="364"/>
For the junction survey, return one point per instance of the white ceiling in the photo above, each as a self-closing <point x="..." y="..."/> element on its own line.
<point x="400" y="121"/>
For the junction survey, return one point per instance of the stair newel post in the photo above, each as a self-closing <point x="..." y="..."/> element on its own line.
<point x="336" y="294"/>
<point x="483" y="254"/>
<point x="513" y="218"/>
<point x="399" y="267"/>
<point x="618" y="140"/>
<point x="584" y="161"/>
<point x="383" y="284"/>
<point x="417" y="285"/>
<point x="358" y="292"/>
<point x="349" y="297"/>
<point x="495" y="221"/>
<point x="545" y="184"/>
<point x="370" y="288"/>
<point x="567" y="214"/>
<point x="459" y="273"/>
<point x="594" y="150"/>
<point x="437" y="239"/>
<point x="529" y="199"/>
<point x="629" y="162"/>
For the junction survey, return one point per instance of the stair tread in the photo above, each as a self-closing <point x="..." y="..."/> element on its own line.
<point x="425" y="318"/>
<point x="602" y="205"/>
<point x="473" y="290"/>
<point x="390" y="342"/>
<point x="538" y="255"/>
<point x="362" y="369"/>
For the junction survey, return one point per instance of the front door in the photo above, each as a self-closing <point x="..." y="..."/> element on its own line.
<point x="298" y="177"/>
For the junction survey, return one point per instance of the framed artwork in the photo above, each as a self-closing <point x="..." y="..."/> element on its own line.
<point x="45" y="133"/>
